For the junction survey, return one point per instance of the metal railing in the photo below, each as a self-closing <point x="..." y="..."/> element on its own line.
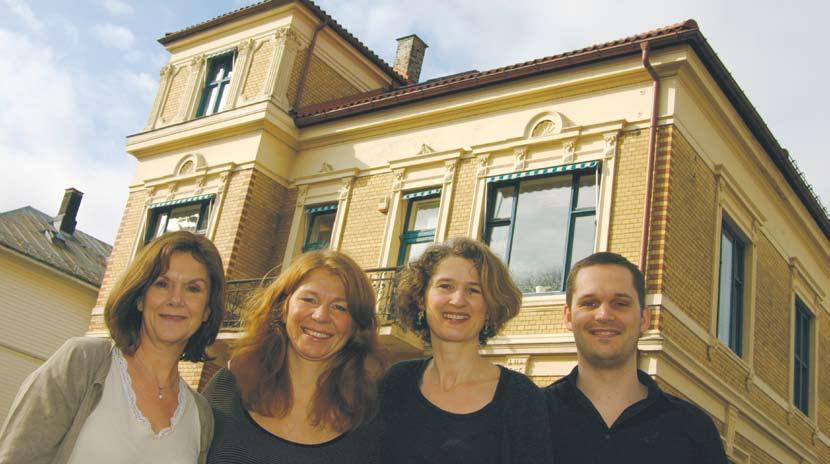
<point x="240" y="292"/>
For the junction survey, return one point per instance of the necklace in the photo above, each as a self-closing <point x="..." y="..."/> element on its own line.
<point x="161" y="388"/>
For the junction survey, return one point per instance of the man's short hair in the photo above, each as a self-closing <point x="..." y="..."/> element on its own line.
<point x="607" y="258"/>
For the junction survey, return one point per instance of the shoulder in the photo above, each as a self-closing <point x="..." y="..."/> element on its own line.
<point x="520" y="392"/>
<point x="693" y="419"/>
<point x="556" y="390"/>
<point x="221" y="390"/>
<point x="403" y="371"/>
<point x="79" y="352"/>
<point x="518" y="382"/>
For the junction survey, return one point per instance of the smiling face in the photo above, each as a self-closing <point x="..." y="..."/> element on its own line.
<point x="175" y="304"/>
<point x="605" y="316"/>
<point x="455" y="306"/>
<point x="318" y="321"/>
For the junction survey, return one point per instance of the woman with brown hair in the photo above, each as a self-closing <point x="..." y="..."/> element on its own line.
<point x="123" y="400"/>
<point x="302" y="380"/>
<point x="457" y="407"/>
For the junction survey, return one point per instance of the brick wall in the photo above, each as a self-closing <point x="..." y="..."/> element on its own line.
<point x="296" y="72"/>
<point x="254" y="239"/>
<point x="772" y="317"/>
<point x="121" y="250"/>
<point x="258" y="72"/>
<point x="690" y="229"/>
<point x="530" y="322"/>
<point x="323" y="84"/>
<point x="624" y="235"/>
<point x="364" y="225"/>
<point x="461" y="205"/>
<point x="824" y="374"/>
<point x="757" y="455"/>
<point x="176" y="94"/>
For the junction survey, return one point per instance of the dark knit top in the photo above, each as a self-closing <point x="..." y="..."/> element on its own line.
<point x="512" y="428"/>
<point x="238" y="439"/>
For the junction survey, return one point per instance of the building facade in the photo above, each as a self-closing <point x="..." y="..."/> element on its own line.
<point x="275" y="131"/>
<point x="50" y="275"/>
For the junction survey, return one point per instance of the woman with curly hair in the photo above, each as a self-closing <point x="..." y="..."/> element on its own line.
<point x="457" y="407"/>
<point x="302" y="380"/>
<point x="123" y="400"/>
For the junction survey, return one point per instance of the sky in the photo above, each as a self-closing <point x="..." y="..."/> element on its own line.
<point x="77" y="77"/>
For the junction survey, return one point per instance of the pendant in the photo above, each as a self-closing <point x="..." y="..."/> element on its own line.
<point x="161" y="396"/>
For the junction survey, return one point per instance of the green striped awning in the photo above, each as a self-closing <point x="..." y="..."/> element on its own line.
<point x="182" y="201"/>
<point x="543" y="172"/>
<point x="321" y="208"/>
<point x="422" y="194"/>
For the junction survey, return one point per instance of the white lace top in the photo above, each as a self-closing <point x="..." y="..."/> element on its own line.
<point x="116" y="431"/>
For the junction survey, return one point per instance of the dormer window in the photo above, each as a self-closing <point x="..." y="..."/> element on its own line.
<point x="217" y="81"/>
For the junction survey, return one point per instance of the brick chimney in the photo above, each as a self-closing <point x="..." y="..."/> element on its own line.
<point x="65" y="220"/>
<point x="410" y="57"/>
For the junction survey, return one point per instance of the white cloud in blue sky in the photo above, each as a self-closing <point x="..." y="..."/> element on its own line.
<point x="78" y="77"/>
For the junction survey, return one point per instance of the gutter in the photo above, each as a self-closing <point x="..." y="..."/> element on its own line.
<point x="652" y="143"/>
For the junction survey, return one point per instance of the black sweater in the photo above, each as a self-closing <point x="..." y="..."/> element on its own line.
<point x="512" y="429"/>
<point x="238" y="439"/>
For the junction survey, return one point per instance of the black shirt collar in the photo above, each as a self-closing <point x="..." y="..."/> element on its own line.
<point x="582" y="401"/>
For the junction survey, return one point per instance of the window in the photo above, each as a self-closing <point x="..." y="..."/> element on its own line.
<point x="801" y="342"/>
<point x="539" y="225"/>
<point x="419" y="225"/>
<point x="320" y="227"/>
<point x="731" y="288"/>
<point x="189" y="214"/>
<point x="217" y="79"/>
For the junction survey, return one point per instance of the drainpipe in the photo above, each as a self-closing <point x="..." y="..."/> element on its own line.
<point x="652" y="142"/>
<point x="308" y="53"/>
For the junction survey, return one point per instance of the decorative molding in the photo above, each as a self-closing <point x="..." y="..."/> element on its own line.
<point x="610" y="149"/>
<point x="325" y="168"/>
<point x="397" y="181"/>
<point x="569" y="147"/>
<point x="482" y="162"/>
<point x="520" y="155"/>
<point x="346" y="187"/>
<point x="518" y="363"/>
<point x="731" y="425"/>
<point x="302" y="192"/>
<point x="425" y="149"/>
<point x="449" y="170"/>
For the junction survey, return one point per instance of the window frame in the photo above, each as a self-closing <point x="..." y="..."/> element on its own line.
<point x="223" y="85"/>
<point x="156" y="213"/>
<point x="737" y="305"/>
<point x="311" y="215"/>
<point x="803" y="322"/>
<point x="413" y="237"/>
<point x="573" y="213"/>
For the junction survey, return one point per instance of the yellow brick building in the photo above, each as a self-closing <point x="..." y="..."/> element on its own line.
<point x="274" y="130"/>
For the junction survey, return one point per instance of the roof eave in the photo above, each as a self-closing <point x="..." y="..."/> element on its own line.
<point x="265" y="6"/>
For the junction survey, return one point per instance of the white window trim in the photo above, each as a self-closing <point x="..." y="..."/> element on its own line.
<point x="803" y="288"/>
<point x="571" y="147"/>
<point x="747" y="220"/>
<point x="334" y="187"/>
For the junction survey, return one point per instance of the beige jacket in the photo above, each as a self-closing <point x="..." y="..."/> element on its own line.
<point x="55" y="400"/>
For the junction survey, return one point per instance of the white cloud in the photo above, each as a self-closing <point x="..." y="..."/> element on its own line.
<point x="48" y="140"/>
<point x="118" y="7"/>
<point x="144" y="83"/>
<point x="22" y="11"/>
<point x="114" y="36"/>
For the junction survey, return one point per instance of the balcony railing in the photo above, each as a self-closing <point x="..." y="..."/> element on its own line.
<point x="239" y="293"/>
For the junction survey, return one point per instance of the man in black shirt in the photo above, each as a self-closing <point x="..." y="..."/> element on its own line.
<point x="606" y="410"/>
